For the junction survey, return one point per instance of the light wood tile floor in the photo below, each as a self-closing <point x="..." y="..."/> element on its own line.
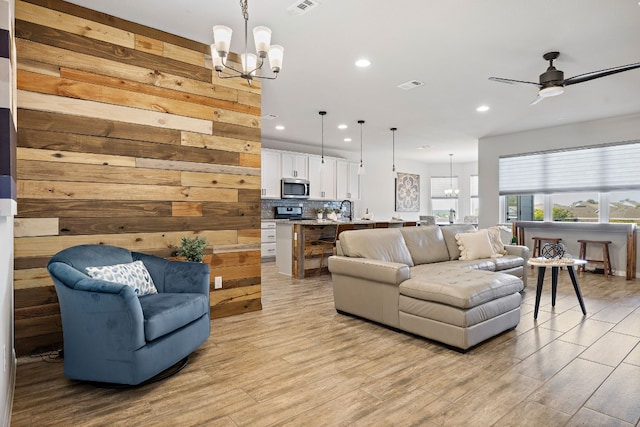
<point x="299" y="363"/>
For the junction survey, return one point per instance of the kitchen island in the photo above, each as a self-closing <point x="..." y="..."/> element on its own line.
<point x="303" y="246"/>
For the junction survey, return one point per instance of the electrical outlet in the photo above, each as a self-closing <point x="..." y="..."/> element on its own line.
<point x="217" y="282"/>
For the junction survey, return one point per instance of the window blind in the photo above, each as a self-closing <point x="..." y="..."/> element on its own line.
<point x="441" y="183"/>
<point x="601" y="168"/>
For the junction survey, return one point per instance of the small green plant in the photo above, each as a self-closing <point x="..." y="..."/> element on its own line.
<point x="319" y="210"/>
<point x="192" y="248"/>
<point x="328" y="210"/>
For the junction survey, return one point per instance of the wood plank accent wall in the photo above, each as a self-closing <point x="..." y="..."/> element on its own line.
<point x="126" y="137"/>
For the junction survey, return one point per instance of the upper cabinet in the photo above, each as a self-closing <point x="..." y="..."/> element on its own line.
<point x="347" y="180"/>
<point x="322" y="178"/>
<point x="270" y="174"/>
<point x="295" y="165"/>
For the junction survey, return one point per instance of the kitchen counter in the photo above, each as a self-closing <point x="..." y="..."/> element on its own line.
<point x="303" y="246"/>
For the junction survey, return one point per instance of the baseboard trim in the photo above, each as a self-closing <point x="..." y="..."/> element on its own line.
<point x="8" y="405"/>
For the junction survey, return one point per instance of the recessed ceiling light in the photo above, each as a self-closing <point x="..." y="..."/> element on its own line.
<point x="280" y="127"/>
<point x="363" y="63"/>
<point x="347" y="140"/>
<point x="482" y="108"/>
<point x="342" y="126"/>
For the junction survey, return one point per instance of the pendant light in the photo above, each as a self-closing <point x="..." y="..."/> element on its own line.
<point x="393" y="170"/>
<point x="361" y="170"/>
<point x="322" y="114"/>
<point x="451" y="192"/>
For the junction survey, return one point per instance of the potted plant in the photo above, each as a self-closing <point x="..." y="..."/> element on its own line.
<point x="319" y="212"/>
<point x="332" y="214"/>
<point x="192" y="248"/>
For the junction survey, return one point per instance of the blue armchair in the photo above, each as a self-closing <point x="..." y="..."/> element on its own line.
<point x="113" y="335"/>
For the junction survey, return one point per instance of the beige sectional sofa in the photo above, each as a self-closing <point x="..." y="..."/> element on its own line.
<point x="413" y="279"/>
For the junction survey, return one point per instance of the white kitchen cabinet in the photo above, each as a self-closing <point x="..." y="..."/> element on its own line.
<point x="270" y="174"/>
<point x="347" y="180"/>
<point x="295" y="165"/>
<point x="268" y="239"/>
<point x="322" y="178"/>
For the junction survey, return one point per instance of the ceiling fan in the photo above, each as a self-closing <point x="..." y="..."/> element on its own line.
<point x="552" y="81"/>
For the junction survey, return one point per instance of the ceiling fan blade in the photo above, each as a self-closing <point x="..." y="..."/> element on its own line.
<point x="513" y="82"/>
<point x="601" y="73"/>
<point x="538" y="99"/>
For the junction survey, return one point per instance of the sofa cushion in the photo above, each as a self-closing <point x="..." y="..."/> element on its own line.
<point x="164" y="313"/>
<point x="425" y="244"/>
<point x="507" y="262"/>
<point x="133" y="274"/>
<point x="453" y="315"/>
<point x="474" y="245"/>
<point x="376" y="243"/>
<point x="464" y="289"/>
<point x="449" y="232"/>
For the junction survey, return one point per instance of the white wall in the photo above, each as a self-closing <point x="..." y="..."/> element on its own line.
<point x="7" y="357"/>
<point x="614" y="129"/>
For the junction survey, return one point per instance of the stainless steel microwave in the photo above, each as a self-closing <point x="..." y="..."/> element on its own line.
<point x="295" y="188"/>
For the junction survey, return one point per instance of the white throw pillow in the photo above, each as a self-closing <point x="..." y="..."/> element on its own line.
<point x="496" y="241"/>
<point x="474" y="245"/>
<point x="133" y="274"/>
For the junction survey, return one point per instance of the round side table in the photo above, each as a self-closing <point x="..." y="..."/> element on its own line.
<point x="542" y="264"/>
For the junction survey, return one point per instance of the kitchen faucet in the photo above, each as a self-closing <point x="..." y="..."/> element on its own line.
<point x="350" y="216"/>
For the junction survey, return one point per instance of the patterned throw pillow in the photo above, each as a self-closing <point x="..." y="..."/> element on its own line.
<point x="132" y="274"/>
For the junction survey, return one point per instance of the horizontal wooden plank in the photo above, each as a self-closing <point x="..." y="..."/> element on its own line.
<point x="240" y="247"/>
<point x="244" y="281"/>
<point x="236" y="307"/>
<point x="186" y="209"/>
<point x="231" y="130"/>
<point x="182" y="54"/>
<point x="140" y="242"/>
<point x="72" y="24"/>
<point x="80" y="107"/>
<point x="50" y="171"/>
<point x="38" y="344"/>
<point x="234" y="117"/>
<point x="234" y="259"/>
<point x="103" y="145"/>
<point x="72" y="190"/>
<point x="251" y="208"/>
<point x="191" y="139"/>
<point x="36" y="326"/>
<point x="59" y="156"/>
<point x="33" y="297"/>
<point x="248" y="195"/>
<point x="30" y="227"/>
<point x="236" y="272"/>
<point x="203" y="96"/>
<point x="84" y="226"/>
<point x="38" y="67"/>
<point x="63" y="58"/>
<point x="226" y="296"/>
<point x="197" y="167"/>
<point x="250" y="160"/>
<point x="34" y="208"/>
<point x="122" y="24"/>
<point x="77" y="43"/>
<point x="219" y="180"/>
<point x="30" y="262"/>
<point x="60" y="122"/>
<point x="147" y="44"/>
<point x="28" y="81"/>
<point x="249" y="236"/>
<point x="37" y="311"/>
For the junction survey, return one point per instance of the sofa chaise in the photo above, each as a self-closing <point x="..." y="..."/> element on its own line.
<point x="418" y="280"/>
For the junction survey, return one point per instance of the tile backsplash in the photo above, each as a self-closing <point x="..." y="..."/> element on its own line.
<point x="308" y="206"/>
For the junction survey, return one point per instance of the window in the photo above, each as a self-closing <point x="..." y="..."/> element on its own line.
<point x="473" y="186"/>
<point x="441" y="205"/>
<point x="624" y="206"/>
<point x="575" y="207"/>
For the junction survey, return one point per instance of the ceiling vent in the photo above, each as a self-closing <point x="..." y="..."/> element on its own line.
<point x="411" y="84"/>
<point x="302" y="7"/>
<point x="269" y="116"/>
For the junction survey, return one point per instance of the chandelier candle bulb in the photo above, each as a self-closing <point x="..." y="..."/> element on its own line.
<point x="222" y="39"/>
<point x="276" y="54"/>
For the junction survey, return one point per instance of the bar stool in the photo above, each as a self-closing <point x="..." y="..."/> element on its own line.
<point x="606" y="260"/>
<point x="535" y="253"/>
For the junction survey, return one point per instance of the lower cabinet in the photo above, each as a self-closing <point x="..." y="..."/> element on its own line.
<point x="268" y="239"/>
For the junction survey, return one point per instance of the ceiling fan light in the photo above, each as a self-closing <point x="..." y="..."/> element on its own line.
<point x="551" y="91"/>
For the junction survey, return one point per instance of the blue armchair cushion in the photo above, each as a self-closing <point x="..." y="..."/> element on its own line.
<point x="165" y="313"/>
<point x="132" y="274"/>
